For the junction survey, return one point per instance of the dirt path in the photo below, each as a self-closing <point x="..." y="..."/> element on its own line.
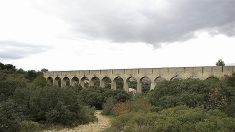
<point x="103" y="122"/>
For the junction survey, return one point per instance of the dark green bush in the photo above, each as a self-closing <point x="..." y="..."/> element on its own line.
<point x="208" y="93"/>
<point x="56" y="105"/>
<point x="97" y="96"/>
<point x="10" y="116"/>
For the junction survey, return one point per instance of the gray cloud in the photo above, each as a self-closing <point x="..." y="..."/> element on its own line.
<point x="145" y="21"/>
<point x="16" y="50"/>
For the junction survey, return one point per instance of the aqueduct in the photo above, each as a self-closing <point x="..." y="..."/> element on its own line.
<point x="98" y="77"/>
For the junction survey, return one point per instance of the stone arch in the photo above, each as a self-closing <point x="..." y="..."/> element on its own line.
<point x="50" y="81"/>
<point x="145" y="84"/>
<point x="106" y="82"/>
<point x="65" y="82"/>
<point x="118" y="83"/>
<point x="95" y="81"/>
<point x="132" y="84"/>
<point x="212" y="78"/>
<point x="156" y="81"/>
<point x="57" y="82"/>
<point x="159" y="79"/>
<point x="84" y="82"/>
<point x="74" y="81"/>
<point x="176" y="77"/>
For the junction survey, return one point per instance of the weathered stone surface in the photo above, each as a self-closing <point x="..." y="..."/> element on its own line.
<point x="63" y="78"/>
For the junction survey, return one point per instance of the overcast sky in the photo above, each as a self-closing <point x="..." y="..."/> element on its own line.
<point x="108" y="34"/>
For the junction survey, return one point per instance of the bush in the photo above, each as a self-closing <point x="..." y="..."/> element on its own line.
<point x="97" y="96"/>
<point x="193" y="93"/>
<point x="60" y="106"/>
<point x="30" y="126"/>
<point x="10" y="116"/>
<point x="39" y="81"/>
<point x="180" y="118"/>
<point x="7" y="88"/>
<point x="108" y="106"/>
<point x="138" y="104"/>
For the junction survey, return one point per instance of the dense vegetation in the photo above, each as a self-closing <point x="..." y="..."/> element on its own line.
<point x="178" y="105"/>
<point x="27" y="103"/>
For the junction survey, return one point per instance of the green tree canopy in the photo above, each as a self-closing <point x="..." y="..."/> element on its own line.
<point x="220" y="63"/>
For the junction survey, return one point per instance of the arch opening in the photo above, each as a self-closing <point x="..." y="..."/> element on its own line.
<point x="58" y="81"/>
<point x="84" y="82"/>
<point x="50" y="81"/>
<point x="66" y="82"/>
<point x="106" y="82"/>
<point x="145" y="83"/>
<point x="132" y="84"/>
<point x="95" y="81"/>
<point x="118" y="83"/>
<point x="74" y="81"/>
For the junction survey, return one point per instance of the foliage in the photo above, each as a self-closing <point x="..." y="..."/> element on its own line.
<point x="39" y="81"/>
<point x="31" y="74"/>
<point x="26" y="104"/>
<point x="179" y="118"/>
<point x="8" y="67"/>
<point x="8" y="87"/>
<point x="137" y="104"/>
<point x="108" y="106"/>
<point x="30" y="126"/>
<point x="10" y="116"/>
<point x="191" y="92"/>
<point x="53" y="105"/>
<point x="97" y="96"/>
<point x="220" y="63"/>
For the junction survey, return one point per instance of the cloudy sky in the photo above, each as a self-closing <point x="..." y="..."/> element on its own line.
<point x="107" y="34"/>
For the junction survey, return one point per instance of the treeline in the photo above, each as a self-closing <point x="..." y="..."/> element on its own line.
<point x="178" y="105"/>
<point x="28" y="104"/>
<point x="9" y="70"/>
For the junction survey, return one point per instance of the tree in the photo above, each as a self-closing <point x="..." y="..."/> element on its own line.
<point x="31" y="75"/>
<point x="39" y="81"/>
<point x="44" y="70"/>
<point x="220" y="63"/>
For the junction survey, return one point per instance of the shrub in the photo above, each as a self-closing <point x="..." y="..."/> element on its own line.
<point x="60" y="106"/>
<point x="120" y="108"/>
<point x="30" y="126"/>
<point x="180" y="118"/>
<point x="10" y="116"/>
<point x="108" y="106"/>
<point x="138" y="104"/>
<point x="97" y="96"/>
<point x="208" y="93"/>
<point x="39" y="81"/>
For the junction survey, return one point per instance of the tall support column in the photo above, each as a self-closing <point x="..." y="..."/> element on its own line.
<point x="153" y="84"/>
<point x="70" y="81"/>
<point x="82" y="83"/>
<point x="125" y="85"/>
<point x="102" y="84"/>
<point x="53" y="83"/>
<point x="63" y="83"/>
<point x="139" y="86"/>
<point x="113" y="85"/>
